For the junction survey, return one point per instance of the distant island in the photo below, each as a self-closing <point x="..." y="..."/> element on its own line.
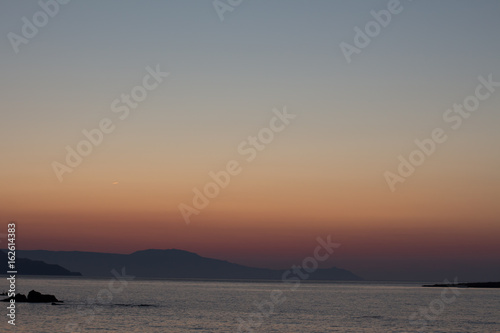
<point x="467" y="285"/>
<point x="170" y="263"/>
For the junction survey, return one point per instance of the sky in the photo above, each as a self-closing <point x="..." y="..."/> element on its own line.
<point x="324" y="173"/>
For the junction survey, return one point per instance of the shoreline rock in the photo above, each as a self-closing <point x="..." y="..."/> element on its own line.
<point x="33" y="297"/>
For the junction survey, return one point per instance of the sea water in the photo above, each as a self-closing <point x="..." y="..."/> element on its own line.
<point x="111" y="305"/>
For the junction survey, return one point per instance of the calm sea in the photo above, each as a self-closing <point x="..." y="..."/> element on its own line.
<point x="109" y="305"/>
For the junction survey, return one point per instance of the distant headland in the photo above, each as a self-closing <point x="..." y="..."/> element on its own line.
<point x="467" y="285"/>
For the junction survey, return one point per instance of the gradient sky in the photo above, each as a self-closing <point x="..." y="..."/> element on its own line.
<point x="322" y="175"/>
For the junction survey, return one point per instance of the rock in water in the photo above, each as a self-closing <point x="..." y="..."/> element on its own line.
<point x="18" y="298"/>
<point x="34" y="297"/>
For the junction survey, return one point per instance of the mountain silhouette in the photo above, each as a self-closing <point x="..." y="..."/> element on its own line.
<point x="170" y="263"/>
<point x="25" y="266"/>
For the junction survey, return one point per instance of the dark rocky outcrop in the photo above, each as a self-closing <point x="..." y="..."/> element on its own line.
<point x="33" y="297"/>
<point x="17" y="298"/>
